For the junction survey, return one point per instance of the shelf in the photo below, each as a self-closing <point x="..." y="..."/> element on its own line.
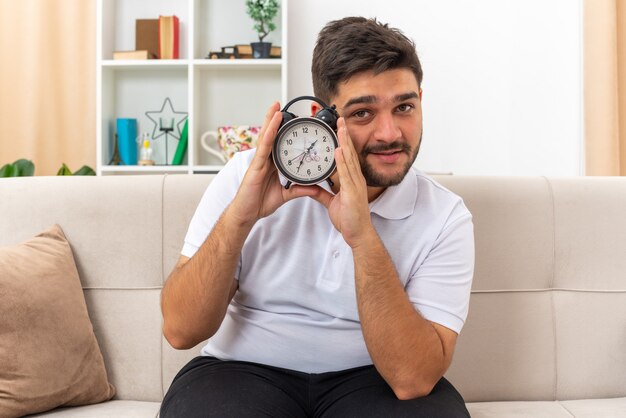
<point x="274" y="63"/>
<point x="206" y="168"/>
<point x="145" y="168"/>
<point x="144" y="64"/>
<point x="243" y="63"/>
<point x="161" y="169"/>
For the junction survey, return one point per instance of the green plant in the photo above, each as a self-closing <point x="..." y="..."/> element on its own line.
<point x="83" y="171"/>
<point x="262" y="12"/>
<point x="25" y="168"/>
<point x="20" y="168"/>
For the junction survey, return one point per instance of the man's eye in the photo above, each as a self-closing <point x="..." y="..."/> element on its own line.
<point x="361" y="114"/>
<point x="403" y="108"/>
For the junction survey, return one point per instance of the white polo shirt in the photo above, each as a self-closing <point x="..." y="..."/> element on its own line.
<point x="296" y="303"/>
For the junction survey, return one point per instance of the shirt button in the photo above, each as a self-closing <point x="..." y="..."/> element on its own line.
<point x="336" y="254"/>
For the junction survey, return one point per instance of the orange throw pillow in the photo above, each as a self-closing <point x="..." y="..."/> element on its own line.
<point x="49" y="355"/>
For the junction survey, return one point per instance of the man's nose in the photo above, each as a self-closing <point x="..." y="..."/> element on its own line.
<point x="387" y="129"/>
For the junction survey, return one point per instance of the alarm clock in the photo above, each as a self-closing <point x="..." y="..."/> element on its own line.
<point x="304" y="147"/>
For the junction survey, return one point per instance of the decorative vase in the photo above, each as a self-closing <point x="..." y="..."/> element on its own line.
<point x="127" y="140"/>
<point x="261" y="49"/>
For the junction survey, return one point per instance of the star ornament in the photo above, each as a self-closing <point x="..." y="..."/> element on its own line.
<point x="164" y="118"/>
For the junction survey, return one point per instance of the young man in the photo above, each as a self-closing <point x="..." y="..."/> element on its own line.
<point x="320" y="301"/>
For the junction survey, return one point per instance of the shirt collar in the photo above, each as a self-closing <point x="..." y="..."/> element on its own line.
<point x="397" y="202"/>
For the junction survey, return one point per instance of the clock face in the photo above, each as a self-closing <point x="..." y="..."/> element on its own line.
<point x="304" y="150"/>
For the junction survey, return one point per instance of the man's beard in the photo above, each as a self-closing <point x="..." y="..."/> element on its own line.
<point x="375" y="179"/>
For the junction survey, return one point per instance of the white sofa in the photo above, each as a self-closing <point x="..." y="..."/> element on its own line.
<point x="546" y="332"/>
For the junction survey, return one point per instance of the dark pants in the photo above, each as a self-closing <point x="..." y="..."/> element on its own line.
<point x="207" y="387"/>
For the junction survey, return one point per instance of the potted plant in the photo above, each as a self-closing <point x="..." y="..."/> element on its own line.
<point x="262" y="12"/>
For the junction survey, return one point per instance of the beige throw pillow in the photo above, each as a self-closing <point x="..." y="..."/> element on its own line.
<point x="49" y="355"/>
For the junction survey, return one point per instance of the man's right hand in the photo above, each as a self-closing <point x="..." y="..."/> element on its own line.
<point x="261" y="193"/>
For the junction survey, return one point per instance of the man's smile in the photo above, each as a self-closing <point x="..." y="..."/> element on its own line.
<point x="387" y="157"/>
<point x="387" y="153"/>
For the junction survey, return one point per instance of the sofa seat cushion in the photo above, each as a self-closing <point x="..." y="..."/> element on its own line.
<point x="592" y="408"/>
<point x="535" y="409"/>
<point x="110" y="409"/>
<point x="585" y="408"/>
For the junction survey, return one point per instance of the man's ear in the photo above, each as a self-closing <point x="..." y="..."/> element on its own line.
<point x="315" y="107"/>
<point x="421" y="94"/>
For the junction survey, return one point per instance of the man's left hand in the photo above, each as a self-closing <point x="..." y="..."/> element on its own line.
<point x="348" y="209"/>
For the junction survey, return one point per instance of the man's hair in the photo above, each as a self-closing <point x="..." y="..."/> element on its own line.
<point x="354" y="44"/>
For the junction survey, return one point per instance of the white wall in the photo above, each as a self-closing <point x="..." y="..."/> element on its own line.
<point x="502" y="78"/>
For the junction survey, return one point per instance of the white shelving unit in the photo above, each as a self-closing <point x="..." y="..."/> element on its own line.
<point x="214" y="92"/>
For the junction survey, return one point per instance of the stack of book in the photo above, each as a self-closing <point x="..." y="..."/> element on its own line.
<point x="154" y="38"/>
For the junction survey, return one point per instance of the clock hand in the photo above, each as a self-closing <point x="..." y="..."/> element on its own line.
<point x="297" y="156"/>
<point x="311" y="147"/>
<point x="304" y="154"/>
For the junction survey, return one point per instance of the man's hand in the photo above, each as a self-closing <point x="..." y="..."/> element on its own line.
<point x="261" y="193"/>
<point x="348" y="209"/>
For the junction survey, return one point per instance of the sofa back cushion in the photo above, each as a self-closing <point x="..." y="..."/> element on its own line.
<point x="548" y="308"/>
